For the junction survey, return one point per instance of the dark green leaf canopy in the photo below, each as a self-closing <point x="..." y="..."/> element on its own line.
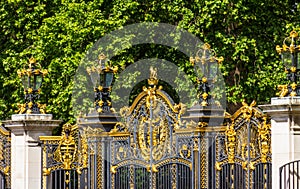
<point x="59" y="32"/>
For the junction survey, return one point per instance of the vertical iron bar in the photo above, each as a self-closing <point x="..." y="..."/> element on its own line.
<point x="258" y="176"/>
<point x="280" y="178"/>
<point x="289" y="176"/>
<point x="248" y="149"/>
<point x="55" y="179"/>
<point x="297" y="172"/>
<point x="64" y="173"/>
<point x="293" y="175"/>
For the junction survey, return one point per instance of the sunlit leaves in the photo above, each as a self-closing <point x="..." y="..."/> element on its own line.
<point x="59" y="32"/>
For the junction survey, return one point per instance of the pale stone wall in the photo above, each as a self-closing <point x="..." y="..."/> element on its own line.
<point x="285" y="130"/>
<point x="25" y="149"/>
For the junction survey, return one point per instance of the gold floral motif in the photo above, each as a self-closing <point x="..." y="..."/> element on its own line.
<point x="248" y="110"/>
<point x="283" y="90"/>
<point x="84" y="152"/>
<point x="293" y="69"/>
<point x="46" y="171"/>
<point x="202" y="124"/>
<point x="21" y="108"/>
<point x="230" y="144"/>
<point x="265" y="140"/>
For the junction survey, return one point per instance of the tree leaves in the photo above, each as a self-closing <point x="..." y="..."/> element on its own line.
<point x="58" y="33"/>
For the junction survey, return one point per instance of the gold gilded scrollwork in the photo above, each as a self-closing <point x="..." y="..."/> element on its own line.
<point x="119" y="127"/>
<point x="92" y="132"/>
<point x="157" y="139"/>
<point x="70" y="151"/>
<point x="230" y="143"/>
<point x="239" y="147"/>
<point x="152" y="168"/>
<point x="265" y="140"/>
<point x="113" y="169"/>
<point x="83" y="160"/>
<point x="248" y="110"/>
<point x="283" y="90"/>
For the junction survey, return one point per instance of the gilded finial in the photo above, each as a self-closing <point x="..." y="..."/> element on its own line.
<point x="32" y="60"/>
<point x="102" y="56"/>
<point x="153" y="76"/>
<point x="294" y="34"/>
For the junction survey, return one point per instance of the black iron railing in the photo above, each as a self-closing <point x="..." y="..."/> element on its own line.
<point x="289" y="175"/>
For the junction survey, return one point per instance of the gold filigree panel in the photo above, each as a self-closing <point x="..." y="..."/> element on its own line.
<point x="248" y="138"/>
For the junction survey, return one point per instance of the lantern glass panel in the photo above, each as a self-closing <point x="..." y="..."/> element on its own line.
<point x="297" y="58"/>
<point x="94" y="77"/>
<point x="26" y="82"/>
<point x="38" y="81"/>
<point x="199" y="70"/>
<point x="287" y="59"/>
<point x="108" y="79"/>
<point x="212" y="69"/>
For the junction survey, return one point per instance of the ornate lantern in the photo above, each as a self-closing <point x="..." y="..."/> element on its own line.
<point x="206" y="67"/>
<point x="102" y="76"/>
<point x="289" y="55"/>
<point x="32" y="78"/>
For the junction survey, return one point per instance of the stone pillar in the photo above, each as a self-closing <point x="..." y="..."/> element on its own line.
<point x="25" y="149"/>
<point x="285" y="130"/>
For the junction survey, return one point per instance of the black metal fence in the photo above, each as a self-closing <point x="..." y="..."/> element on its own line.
<point x="289" y="175"/>
<point x="150" y="151"/>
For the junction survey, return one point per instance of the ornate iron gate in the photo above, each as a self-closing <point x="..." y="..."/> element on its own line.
<point x="65" y="159"/>
<point x="148" y="151"/>
<point x="245" y="155"/>
<point x="5" y="159"/>
<point x="153" y="147"/>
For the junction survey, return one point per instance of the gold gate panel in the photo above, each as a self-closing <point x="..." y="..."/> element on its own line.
<point x="245" y="147"/>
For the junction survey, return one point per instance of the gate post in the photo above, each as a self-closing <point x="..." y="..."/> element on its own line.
<point x="25" y="147"/>
<point x="285" y="132"/>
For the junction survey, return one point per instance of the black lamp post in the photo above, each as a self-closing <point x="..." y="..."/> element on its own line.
<point x="289" y="54"/>
<point x="32" y="78"/>
<point x="206" y="67"/>
<point x="102" y="76"/>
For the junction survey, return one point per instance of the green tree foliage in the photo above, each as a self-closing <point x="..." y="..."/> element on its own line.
<point x="59" y="32"/>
